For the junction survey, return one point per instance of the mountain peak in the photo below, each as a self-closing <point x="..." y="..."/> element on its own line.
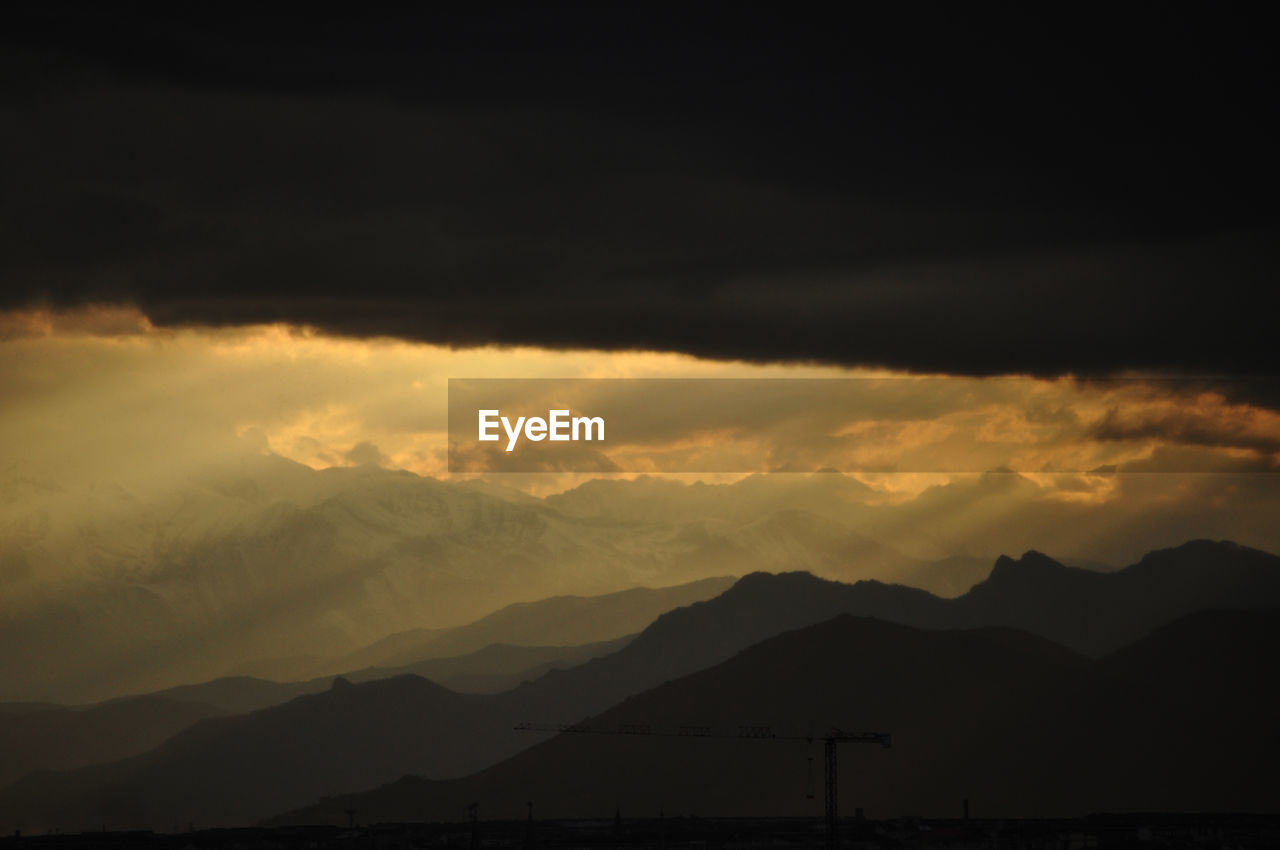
<point x="1031" y="562"/>
<point x="1196" y="548"/>
<point x="1210" y="554"/>
<point x="770" y="582"/>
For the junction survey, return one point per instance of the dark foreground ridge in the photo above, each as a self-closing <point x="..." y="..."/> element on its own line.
<point x="1152" y="831"/>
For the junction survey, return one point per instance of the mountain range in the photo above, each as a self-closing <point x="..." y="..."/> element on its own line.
<point x="1016" y="725"/>
<point x="561" y="621"/>
<point x="54" y="737"/>
<point x="58" y="738"/>
<point x="233" y="769"/>
<point x="272" y="569"/>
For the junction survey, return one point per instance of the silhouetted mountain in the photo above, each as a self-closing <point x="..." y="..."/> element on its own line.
<point x="458" y="734"/>
<point x="496" y="668"/>
<point x="560" y="621"/>
<point x="1193" y="706"/>
<point x="243" y="763"/>
<point x="116" y="588"/>
<point x="36" y="737"/>
<point x="489" y="670"/>
<point x="1016" y="724"/>
<point x="270" y="559"/>
<point x="231" y="770"/>
<point x="1087" y="611"/>
<point x="240" y="694"/>
<point x="452" y="736"/>
<point x="697" y="636"/>
<point x="1098" y="612"/>
<point x="1235" y="644"/>
<point x="62" y="738"/>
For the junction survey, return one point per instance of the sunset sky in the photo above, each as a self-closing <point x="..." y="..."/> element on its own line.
<point x="103" y="392"/>
<point x="1045" y="246"/>
<point x="102" y="396"/>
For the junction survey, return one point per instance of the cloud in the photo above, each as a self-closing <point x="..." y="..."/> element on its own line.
<point x="91" y="321"/>
<point x="99" y="427"/>
<point x="741" y="190"/>
<point x="1204" y="420"/>
<point x="148" y="405"/>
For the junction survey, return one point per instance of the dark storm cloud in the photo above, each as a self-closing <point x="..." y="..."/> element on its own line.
<point x="955" y="192"/>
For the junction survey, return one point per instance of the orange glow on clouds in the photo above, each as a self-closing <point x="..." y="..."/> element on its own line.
<point x="162" y="402"/>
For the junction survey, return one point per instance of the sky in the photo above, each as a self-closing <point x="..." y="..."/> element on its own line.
<point x="1097" y="468"/>
<point x="228" y="231"/>
<point x="106" y="394"/>
<point x="940" y="190"/>
<point x="1010" y="270"/>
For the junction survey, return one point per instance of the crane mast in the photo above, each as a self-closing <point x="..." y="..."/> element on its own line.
<point x="831" y="743"/>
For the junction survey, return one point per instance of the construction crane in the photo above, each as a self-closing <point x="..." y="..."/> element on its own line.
<point x="831" y="741"/>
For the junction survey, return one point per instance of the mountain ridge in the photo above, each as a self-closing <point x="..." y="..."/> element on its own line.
<point x="459" y="734"/>
<point x="1025" y="724"/>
